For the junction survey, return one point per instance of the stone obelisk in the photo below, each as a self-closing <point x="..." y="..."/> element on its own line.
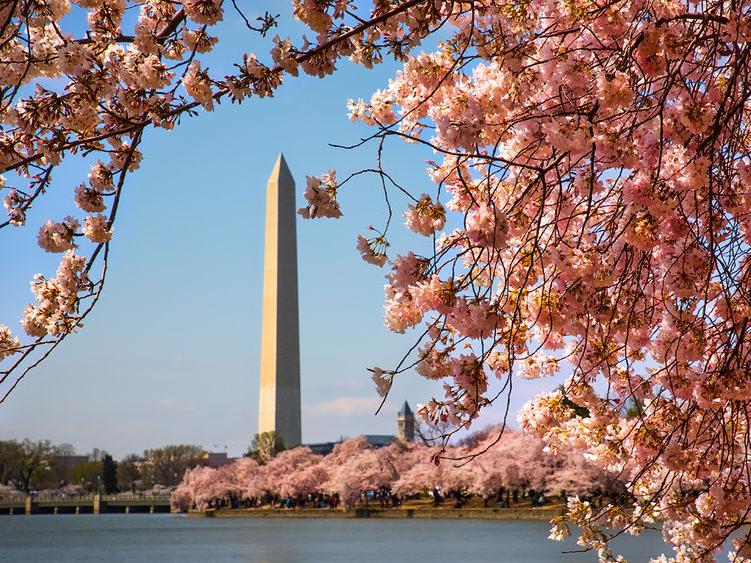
<point x="279" y="398"/>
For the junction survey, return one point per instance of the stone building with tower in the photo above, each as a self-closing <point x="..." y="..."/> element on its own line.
<point x="405" y="432"/>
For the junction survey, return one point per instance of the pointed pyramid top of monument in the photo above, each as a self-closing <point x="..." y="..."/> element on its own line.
<point x="406" y="411"/>
<point x="280" y="174"/>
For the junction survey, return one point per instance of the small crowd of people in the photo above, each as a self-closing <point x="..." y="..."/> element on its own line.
<point x="383" y="498"/>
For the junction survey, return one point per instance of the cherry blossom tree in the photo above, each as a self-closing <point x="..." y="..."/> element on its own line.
<point x="307" y="481"/>
<point x="575" y="476"/>
<point x="295" y="472"/>
<point x="421" y="476"/>
<point x="590" y="214"/>
<point x="245" y="469"/>
<point x="346" y="450"/>
<point x="355" y="468"/>
<point x="511" y="461"/>
<point x="489" y="471"/>
<point x="589" y="211"/>
<point x="195" y="489"/>
<point x="257" y="483"/>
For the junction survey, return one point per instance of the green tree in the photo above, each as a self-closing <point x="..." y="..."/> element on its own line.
<point x="265" y="446"/>
<point x="61" y="472"/>
<point x="129" y="472"/>
<point x="88" y="475"/>
<point x="10" y="453"/>
<point x="166" y="466"/>
<point x="26" y="464"/>
<point x="109" y="475"/>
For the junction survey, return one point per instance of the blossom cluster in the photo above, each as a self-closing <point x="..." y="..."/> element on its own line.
<point x="320" y="194"/>
<point x="8" y="343"/>
<point x="57" y="307"/>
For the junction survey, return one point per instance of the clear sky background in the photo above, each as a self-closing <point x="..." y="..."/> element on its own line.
<point x="171" y="352"/>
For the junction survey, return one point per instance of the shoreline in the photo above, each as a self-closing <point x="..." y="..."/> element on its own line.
<point x="544" y="514"/>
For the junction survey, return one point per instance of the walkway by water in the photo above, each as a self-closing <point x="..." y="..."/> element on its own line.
<point x="176" y="538"/>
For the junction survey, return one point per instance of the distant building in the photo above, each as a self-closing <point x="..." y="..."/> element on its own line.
<point x="379" y="440"/>
<point x="375" y="440"/>
<point x="97" y="454"/>
<point x="217" y="459"/>
<point x="68" y="462"/>
<point x="322" y="448"/>
<point x="405" y="424"/>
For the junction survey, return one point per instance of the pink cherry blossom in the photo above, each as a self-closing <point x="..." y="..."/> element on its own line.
<point x="58" y="237"/>
<point x="95" y="228"/>
<point x="373" y="251"/>
<point x="8" y="343"/>
<point x="425" y="217"/>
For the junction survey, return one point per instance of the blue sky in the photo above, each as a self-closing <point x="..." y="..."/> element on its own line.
<point x="171" y="353"/>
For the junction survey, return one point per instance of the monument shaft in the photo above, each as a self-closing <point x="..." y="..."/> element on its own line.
<point x="279" y="399"/>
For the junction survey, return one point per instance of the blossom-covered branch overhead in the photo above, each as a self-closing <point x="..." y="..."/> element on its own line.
<point x="587" y="201"/>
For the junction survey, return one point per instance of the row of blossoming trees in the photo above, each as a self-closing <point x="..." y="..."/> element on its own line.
<point x="512" y="465"/>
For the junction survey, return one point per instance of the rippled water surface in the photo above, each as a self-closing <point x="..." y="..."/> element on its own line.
<point x="168" y="538"/>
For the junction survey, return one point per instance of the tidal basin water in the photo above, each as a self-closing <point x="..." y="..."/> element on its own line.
<point x="174" y="538"/>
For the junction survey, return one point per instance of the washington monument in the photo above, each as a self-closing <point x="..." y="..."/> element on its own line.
<point x="279" y="397"/>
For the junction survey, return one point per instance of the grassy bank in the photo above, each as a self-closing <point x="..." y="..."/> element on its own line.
<point x="420" y="511"/>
